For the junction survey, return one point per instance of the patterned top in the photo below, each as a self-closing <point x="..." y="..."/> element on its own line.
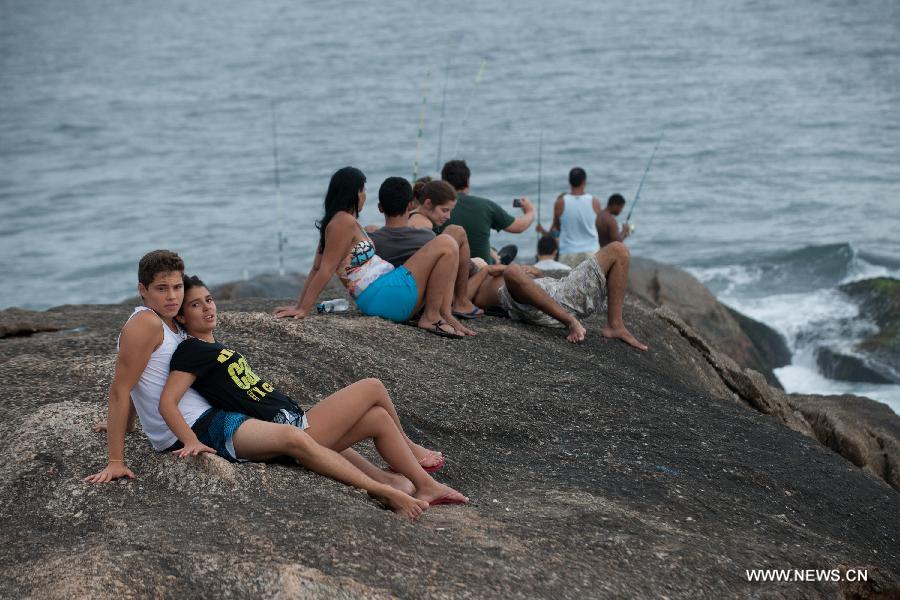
<point x="362" y="266"/>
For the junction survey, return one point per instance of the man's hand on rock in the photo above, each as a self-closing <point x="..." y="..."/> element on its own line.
<point x="113" y="471"/>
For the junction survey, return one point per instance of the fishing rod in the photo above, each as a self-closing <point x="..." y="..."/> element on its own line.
<point x="425" y="87"/>
<point x="637" y="194"/>
<point x="437" y="166"/>
<point x="462" y="126"/>
<point x="540" y="170"/>
<point x="281" y="239"/>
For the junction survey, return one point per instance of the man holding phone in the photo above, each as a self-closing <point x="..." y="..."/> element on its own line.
<point x="479" y="215"/>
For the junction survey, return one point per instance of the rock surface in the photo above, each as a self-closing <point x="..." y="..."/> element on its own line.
<point x="879" y="301"/>
<point x="595" y="471"/>
<point x="750" y="343"/>
<point x="843" y="367"/>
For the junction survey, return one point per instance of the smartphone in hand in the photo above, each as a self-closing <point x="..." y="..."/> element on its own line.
<point x="517" y="203"/>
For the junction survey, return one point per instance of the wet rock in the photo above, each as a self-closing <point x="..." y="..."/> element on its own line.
<point x="595" y="471"/>
<point x="750" y="343"/>
<point x="843" y="367"/>
<point x="879" y="300"/>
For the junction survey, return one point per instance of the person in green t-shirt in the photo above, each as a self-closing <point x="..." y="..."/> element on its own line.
<point x="479" y="215"/>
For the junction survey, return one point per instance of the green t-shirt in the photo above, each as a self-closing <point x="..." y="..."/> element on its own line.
<point x="478" y="216"/>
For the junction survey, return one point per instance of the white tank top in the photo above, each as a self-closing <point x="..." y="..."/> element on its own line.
<point x="148" y="390"/>
<point x="578" y="225"/>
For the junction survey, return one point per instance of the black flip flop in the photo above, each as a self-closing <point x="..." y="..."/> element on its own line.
<point x="436" y="330"/>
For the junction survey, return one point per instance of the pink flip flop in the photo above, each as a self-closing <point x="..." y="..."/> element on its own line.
<point x="429" y="469"/>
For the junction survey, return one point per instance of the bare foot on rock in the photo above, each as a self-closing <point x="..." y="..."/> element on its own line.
<point x="403" y="504"/>
<point x="427" y="458"/>
<point x="438" y="493"/>
<point x="620" y="333"/>
<point x="577" y="332"/>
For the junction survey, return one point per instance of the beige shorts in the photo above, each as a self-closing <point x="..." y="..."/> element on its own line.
<point x="581" y="292"/>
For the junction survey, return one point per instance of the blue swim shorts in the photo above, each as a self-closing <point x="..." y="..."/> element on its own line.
<point x="216" y="429"/>
<point x="392" y="296"/>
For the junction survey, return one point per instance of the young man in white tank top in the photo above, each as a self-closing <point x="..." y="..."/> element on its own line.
<point x="145" y="347"/>
<point x="574" y="220"/>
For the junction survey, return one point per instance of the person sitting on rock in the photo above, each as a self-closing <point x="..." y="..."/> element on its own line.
<point x="556" y="302"/>
<point x="146" y="345"/>
<point x="424" y="282"/>
<point x="406" y="231"/>
<point x="247" y="412"/>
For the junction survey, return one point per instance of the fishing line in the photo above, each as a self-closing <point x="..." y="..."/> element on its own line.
<point x="281" y="239"/>
<point x="637" y="194"/>
<point x="540" y="172"/>
<point x="426" y="85"/>
<point x="462" y="126"/>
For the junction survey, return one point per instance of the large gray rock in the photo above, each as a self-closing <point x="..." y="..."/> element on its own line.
<point x="751" y="343"/>
<point x="879" y="301"/>
<point x="595" y="471"/>
<point x="862" y="430"/>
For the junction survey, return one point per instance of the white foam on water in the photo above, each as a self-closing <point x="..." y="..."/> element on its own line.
<point x="801" y="379"/>
<point x="860" y="268"/>
<point x="819" y="316"/>
<point x="726" y="280"/>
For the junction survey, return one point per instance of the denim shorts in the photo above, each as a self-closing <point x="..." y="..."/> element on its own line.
<point x="392" y="296"/>
<point x="216" y="428"/>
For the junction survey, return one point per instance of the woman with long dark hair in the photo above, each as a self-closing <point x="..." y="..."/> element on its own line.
<point x="424" y="282"/>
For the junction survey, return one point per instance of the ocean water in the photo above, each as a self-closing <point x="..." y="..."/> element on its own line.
<point x="129" y="126"/>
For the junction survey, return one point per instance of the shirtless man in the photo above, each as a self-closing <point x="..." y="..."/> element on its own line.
<point x="557" y="302"/>
<point x="607" y="227"/>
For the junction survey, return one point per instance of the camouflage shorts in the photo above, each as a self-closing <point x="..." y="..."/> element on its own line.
<point x="581" y="292"/>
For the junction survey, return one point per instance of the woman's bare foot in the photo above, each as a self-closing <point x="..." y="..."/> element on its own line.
<point x="620" y="333"/>
<point x="427" y="458"/>
<point x="577" y="332"/>
<point x="438" y="493"/>
<point x="399" y="483"/>
<point x="430" y="324"/>
<point x="404" y="504"/>
<point x="459" y="327"/>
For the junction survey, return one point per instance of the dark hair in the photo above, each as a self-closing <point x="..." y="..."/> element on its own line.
<point x="417" y="187"/>
<point x="394" y="195"/>
<point x="616" y="200"/>
<point x="456" y="173"/>
<point x="439" y="192"/>
<point x="158" y="261"/>
<point x="577" y="176"/>
<point x="189" y="283"/>
<point x="546" y="245"/>
<point x="342" y="195"/>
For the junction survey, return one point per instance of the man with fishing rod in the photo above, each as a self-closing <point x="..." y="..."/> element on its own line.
<point x="607" y="227"/>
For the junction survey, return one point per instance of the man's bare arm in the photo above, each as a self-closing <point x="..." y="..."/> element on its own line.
<point x="140" y="338"/>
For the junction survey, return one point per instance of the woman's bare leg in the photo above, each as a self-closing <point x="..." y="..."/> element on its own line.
<point x="461" y="300"/>
<point x="377" y="424"/>
<point x="434" y="268"/>
<point x="331" y="417"/>
<point x="261" y="440"/>
<point x="395" y="480"/>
